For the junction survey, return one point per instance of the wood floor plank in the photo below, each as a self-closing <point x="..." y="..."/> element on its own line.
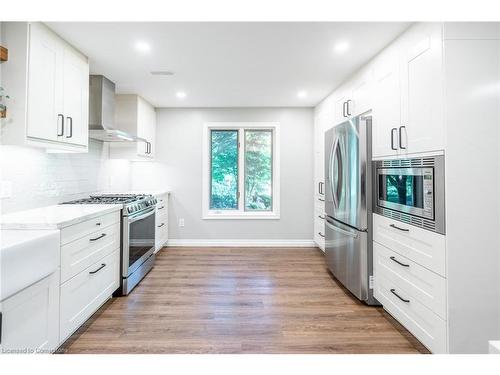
<point x="240" y="300"/>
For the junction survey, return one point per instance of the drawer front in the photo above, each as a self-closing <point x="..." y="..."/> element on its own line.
<point x="421" y="246"/>
<point x="426" y="286"/>
<point x="319" y="232"/>
<point x="162" y="205"/>
<point x="82" y="295"/>
<point x="80" y="230"/>
<point x="424" y="324"/>
<point x="82" y="253"/>
<point x="161" y="234"/>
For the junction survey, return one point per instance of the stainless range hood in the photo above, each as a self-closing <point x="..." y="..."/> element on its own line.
<point x="102" y="112"/>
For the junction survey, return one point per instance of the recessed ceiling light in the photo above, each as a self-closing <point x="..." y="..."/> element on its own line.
<point x="142" y="47"/>
<point x="180" y="94"/>
<point x="162" y="73"/>
<point x="302" y="94"/>
<point x="341" y="47"/>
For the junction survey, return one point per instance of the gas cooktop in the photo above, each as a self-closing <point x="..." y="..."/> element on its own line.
<point x="109" y="199"/>
<point x="132" y="202"/>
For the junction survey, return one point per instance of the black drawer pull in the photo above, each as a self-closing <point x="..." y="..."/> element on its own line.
<point x="398" y="262"/>
<point x="321" y="199"/>
<point x="321" y="234"/>
<point x="97" y="270"/>
<point x="161" y="208"/>
<point x="98" y="224"/>
<point x="162" y="224"/>
<point x="321" y="217"/>
<point x="393" y="291"/>
<point x="399" y="228"/>
<point x="98" y="238"/>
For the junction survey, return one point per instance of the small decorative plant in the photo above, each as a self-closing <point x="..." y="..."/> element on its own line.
<point x="3" y="107"/>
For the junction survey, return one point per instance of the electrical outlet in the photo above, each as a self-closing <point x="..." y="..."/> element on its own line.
<point x="5" y="189"/>
<point x="181" y="222"/>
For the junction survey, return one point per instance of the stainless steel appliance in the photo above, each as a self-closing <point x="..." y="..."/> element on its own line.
<point x="411" y="191"/>
<point x="348" y="194"/>
<point x="138" y="234"/>
<point x="102" y="113"/>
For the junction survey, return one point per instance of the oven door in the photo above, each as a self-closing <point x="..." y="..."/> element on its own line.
<point x="138" y="239"/>
<point x="408" y="190"/>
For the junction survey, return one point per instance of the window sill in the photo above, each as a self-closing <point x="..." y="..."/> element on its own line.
<point x="242" y="216"/>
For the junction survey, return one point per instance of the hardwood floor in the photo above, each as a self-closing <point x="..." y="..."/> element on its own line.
<point x="240" y="300"/>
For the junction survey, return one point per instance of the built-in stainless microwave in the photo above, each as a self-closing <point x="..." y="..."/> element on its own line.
<point x="411" y="191"/>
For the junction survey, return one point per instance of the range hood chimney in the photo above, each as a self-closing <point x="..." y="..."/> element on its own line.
<point x="102" y="112"/>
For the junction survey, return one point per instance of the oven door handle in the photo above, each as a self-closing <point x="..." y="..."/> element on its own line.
<point x="149" y="212"/>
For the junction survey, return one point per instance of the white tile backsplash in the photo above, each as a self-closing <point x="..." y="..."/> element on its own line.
<point x="39" y="178"/>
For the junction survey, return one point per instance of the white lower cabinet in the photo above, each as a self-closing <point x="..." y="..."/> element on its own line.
<point x="161" y="234"/>
<point x="424" y="247"/>
<point x="83" y="294"/>
<point x="403" y="304"/>
<point x="409" y="273"/>
<point x="30" y="318"/>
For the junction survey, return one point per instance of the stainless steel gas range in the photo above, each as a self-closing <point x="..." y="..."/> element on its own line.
<point x="138" y="234"/>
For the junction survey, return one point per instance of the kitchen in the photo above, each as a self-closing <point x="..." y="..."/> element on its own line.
<point x="158" y="207"/>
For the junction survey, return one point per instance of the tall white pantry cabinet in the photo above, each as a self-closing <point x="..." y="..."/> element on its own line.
<point x="436" y="90"/>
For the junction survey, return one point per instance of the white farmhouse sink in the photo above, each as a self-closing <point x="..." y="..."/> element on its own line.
<point x="26" y="256"/>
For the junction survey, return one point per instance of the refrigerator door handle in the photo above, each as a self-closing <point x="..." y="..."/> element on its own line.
<point x="330" y="171"/>
<point x="337" y="229"/>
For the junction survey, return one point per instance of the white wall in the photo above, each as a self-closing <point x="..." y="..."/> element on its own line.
<point x="40" y="179"/>
<point x="179" y="168"/>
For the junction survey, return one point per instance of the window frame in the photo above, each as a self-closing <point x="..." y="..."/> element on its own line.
<point x="240" y="213"/>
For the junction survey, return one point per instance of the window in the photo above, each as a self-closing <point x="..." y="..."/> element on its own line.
<point x="241" y="174"/>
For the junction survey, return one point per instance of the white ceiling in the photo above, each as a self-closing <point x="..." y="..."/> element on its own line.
<point x="228" y="64"/>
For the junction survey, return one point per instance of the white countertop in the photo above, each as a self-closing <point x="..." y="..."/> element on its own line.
<point x="55" y="217"/>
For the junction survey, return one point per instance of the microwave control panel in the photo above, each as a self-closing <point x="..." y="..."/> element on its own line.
<point x="428" y="193"/>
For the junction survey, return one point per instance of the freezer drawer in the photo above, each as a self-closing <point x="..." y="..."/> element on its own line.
<point x="346" y="252"/>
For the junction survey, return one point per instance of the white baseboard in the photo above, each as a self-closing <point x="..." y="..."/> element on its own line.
<point x="240" y="243"/>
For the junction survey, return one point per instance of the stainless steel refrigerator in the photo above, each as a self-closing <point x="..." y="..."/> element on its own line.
<point x="348" y="196"/>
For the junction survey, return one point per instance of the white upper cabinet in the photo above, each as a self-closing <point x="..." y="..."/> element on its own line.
<point x="422" y="89"/>
<point x="360" y="98"/>
<point x="44" y="102"/>
<point x="136" y="116"/>
<point x="76" y="98"/>
<point x="386" y="103"/>
<point x="408" y="94"/>
<point x="49" y="83"/>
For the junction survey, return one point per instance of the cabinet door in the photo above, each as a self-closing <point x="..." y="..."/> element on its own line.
<point x="45" y="112"/>
<point x="76" y="97"/>
<point x="152" y="132"/>
<point x="360" y="99"/>
<point x="386" y="103"/>
<point x="422" y="89"/>
<point x="340" y="114"/>
<point x="30" y="318"/>
<point x="143" y="127"/>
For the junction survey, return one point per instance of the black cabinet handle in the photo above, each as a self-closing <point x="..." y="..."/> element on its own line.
<point x="60" y="116"/>
<point x="392" y="139"/>
<point x="162" y="224"/>
<point x="320" y="188"/>
<point x="161" y="208"/>
<point x="393" y="291"/>
<point x="321" y="217"/>
<point x="98" y="224"/>
<point x="398" y="262"/>
<point x="70" y="127"/>
<point x="401" y="137"/>
<point x="399" y="228"/>
<point x="98" y="238"/>
<point x="97" y="270"/>
<point x="344" y="109"/>
<point x="321" y="199"/>
<point x="321" y="234"/>
<point x="348" y="107"/>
